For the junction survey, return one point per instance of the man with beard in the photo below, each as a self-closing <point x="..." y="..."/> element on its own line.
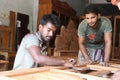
<point x="33" y="48"/>
<point x="95" y="33"/>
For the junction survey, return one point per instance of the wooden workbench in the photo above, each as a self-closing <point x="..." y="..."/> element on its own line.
<point x="95" y="72"/>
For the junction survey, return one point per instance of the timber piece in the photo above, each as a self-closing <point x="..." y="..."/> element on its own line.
<point x="98" y="67"/>
<point x="115" y="65"/>
<point x="24" y="71"/>
<point x="48" y="75"/>
<point x="62" y="76"/>
<point x="99" y="73"/>
<point x="84" y="76"/>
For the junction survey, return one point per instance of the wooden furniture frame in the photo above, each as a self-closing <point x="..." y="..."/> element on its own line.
<point x="7" y="39"/>
<point x="7" y="35"/>
<point x="116" y="39"/>
<point x="11" y="58"/>
<point x="59" y="8"/>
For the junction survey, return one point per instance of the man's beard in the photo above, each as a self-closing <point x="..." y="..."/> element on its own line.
<point x="46" y="39"/>
<point x="95" y="24"/>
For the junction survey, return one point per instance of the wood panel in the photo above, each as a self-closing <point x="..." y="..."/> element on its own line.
<point x="13" y="31"/>
<point x="5" y="38"/>
<point x="116" y="39"/>
<point x="45" y="7"/>
<point x="7" y="35"/>
<point x="59" y="8"/>
<point x="97" y="72"/>
<point x="11" y="58"/>
<point x="52" y="73"/>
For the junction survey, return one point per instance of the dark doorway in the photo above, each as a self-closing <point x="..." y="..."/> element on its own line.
<point x="22" y="26"/>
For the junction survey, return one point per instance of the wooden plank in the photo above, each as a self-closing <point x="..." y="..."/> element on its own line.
<point x="48" y="75"/>
<point x="24" y="71"/>
<point x="99" y="73"/>
<point x="84" y="76"/>
<point x="115" y="65"/>
<point x="57" y="75"/>
<point x="64" y="76"/>
<point x="54" y="73"/>
<point x="98" y="67"/>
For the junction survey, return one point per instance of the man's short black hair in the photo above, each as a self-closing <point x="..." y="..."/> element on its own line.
<point x="51" y="18"/>
<point x="91" y="9"/>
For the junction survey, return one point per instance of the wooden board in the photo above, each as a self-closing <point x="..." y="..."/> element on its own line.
<point x="98" y="67"/>
<point x="55" y="74"/>
<point x="48" y="75"/>
<point x="62" y="73"/>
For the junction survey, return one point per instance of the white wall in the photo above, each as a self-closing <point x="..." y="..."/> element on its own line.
<point x="5" y="7"/>
<point x="28" y="7"/>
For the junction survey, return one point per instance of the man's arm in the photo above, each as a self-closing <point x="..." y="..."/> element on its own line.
<point x="82" y="47"/>
<point x="108" y="41"/>
<point x="45" y="60"/>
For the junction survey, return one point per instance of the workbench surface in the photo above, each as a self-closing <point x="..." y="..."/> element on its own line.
<point x="85" y="72"/>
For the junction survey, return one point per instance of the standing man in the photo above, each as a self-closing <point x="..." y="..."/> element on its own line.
<point x="95" y="33"/>
<point x="33" y="48"/>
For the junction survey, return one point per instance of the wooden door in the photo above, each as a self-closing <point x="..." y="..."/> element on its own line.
<point x="45" y="7"/>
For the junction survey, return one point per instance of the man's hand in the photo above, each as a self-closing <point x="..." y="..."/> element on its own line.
<point x="70" y="62"/>
<point x="88" y="62"/>
<point x="106" y="64"/>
